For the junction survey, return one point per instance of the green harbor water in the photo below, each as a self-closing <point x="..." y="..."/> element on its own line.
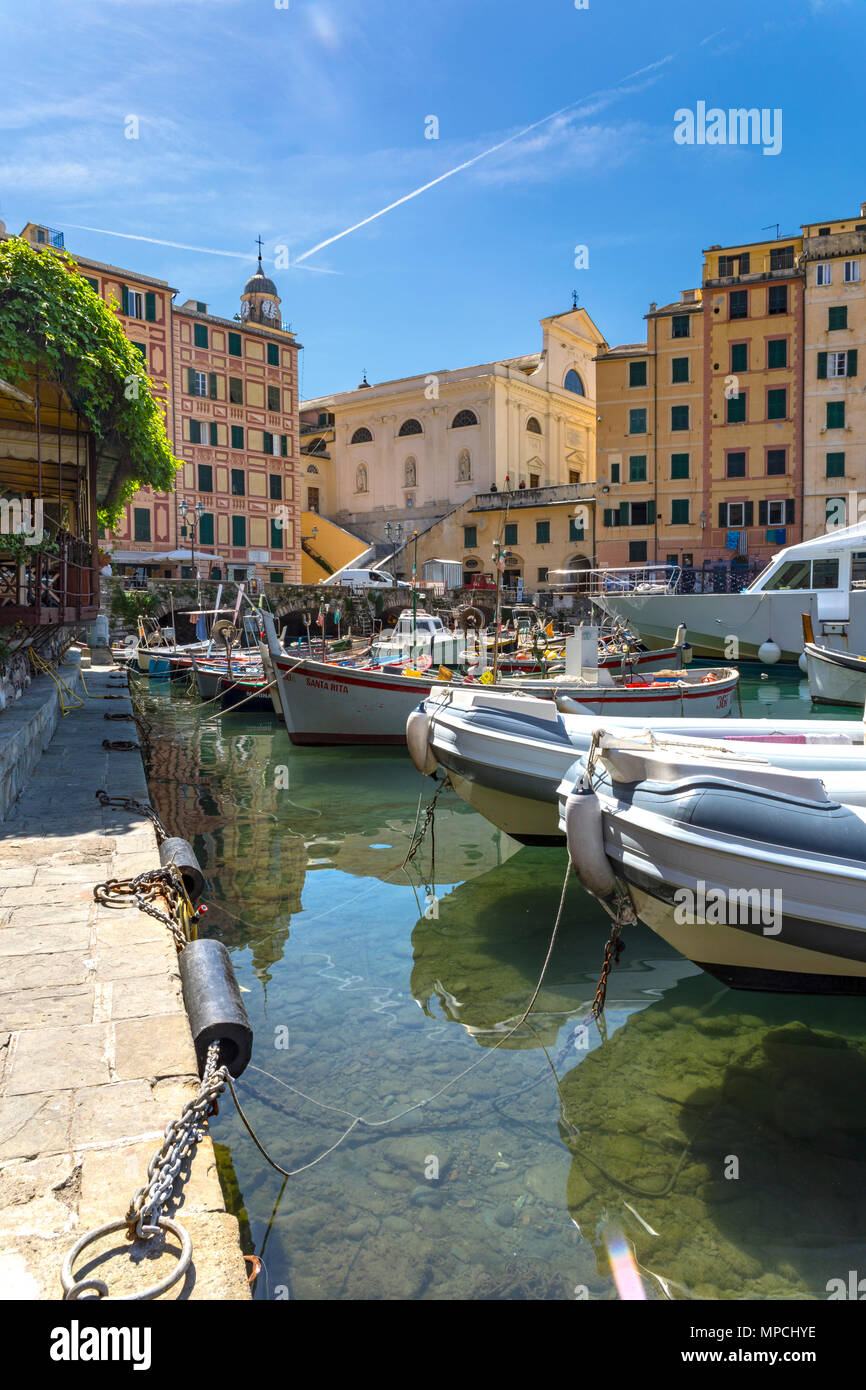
<point x="718" y="1136"/>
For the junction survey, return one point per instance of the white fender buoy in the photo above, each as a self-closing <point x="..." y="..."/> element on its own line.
<point x="584" y="835"/>
<point x="803" y="664"/>
<point x="418" y="739"/>
<point x="680" y="639"/>
<point x="769" y="652"/>
<point x="566" y="705"/>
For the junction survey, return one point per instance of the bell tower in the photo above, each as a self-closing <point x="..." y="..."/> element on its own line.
<point x="260" y="302"/>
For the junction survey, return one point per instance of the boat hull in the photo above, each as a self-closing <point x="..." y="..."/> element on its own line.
<point x="835" y="679"/>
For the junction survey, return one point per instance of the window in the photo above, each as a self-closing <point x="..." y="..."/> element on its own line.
<point x="236" y="348"/>
<point x="680" y="511"/>
<point x="852" y="272"/>
<point x="236" y="390"/>
<point x="202" y="308"/>
<point x="237" y="436"/>
<point x="835" y="415"/>
<point x="776" y="513"/>
<point x="777" y="463"/>
<point x="205" y="528"/>
<point x="736" y="409"/>
<point x="782" y="258"/>
<point x="200" y="335"/>
<point x="777" y="403"/>
<point x="532" y="425"/>
<point x="511" y="533"/>
<point x="313" y="499"/>
<point x="823" y="273"/>
<point x="679" y="465"/>
<point x="276" y="577"/>
<point x="614" y="472"/>
<point x="141" y="523"/>
<point x="198" y="431"/>
<point x="735" y="265"/>
<point x="133" y="303"/>
<point x="275" y="487"/>
<point x="777" y="299"/>
<point x="463" y="419"/>
<point x="837" y="318"/>
<point x="679" y="369"/>
<point x="470" y="537"/>
<point x="680" y="326"/>
<point x="277" y="541"/>
<point x="777" y="352"/>
<point x="268" y="442"/>
<point x="637" y="373"/>
<point x="284" y="446"/>
<point x="141" y="349"/>
<point x="736" y="515"/>
<point x="642" y="513"/>
<point x="533" y="480"/>
<point x="637" y="551"/>
<point x="542" y="574"/>
<point x="238" y="483"/>
<point x="575" y="530"/>
<point x="197" y="383"/>
<point x="637" y="468"/>
<point x="835" y="466"/>
<point x="239" y="531"/>
<point x="273" y="354"/>
<point x="542" y="532"/>
<point x="739" y="357"/>
<point x="637" y="422"/>
<point x="274" y="399"/>
<point x="835" y="364"/>
<point x="735" y="465"/>
<point x="361" y="436"/>
<point x="205" y="477"/>
<point x="410" y="427"/>
<point x="94" y="284"/>
<point x="738" y="304"/>
<point x="679" y="417"/>
<point x="573" y="383"/>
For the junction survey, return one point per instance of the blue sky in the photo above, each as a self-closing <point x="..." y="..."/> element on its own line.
<point x="298" y="123"/>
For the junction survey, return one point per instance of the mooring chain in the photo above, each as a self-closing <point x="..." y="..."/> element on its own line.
<point x="129" y="803"/>
<point x="623" y="915"/>
<point x="418" y="838"/>
<point x="143" y="890"/>
<point x="182" y="1137"/>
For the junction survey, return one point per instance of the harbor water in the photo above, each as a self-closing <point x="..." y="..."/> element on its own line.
<point x="711" y="1139"/>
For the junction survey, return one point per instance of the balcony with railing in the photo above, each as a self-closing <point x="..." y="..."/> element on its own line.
<point x="57" y="584"/>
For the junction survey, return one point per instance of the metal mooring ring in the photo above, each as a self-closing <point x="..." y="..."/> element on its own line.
<point x="74" y="1290"/>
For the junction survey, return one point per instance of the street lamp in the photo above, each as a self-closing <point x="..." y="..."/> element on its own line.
<point x="195" y="515"/>
<point x="395" y="535"/>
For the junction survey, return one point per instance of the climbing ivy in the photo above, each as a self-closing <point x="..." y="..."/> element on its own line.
<point x="52" y="320"/>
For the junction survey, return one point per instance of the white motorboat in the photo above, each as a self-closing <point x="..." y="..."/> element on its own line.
<point x="754" y="872"/>
<point x="825" y="577"/>
<point x="835" y="678"/>
<point x="420" y="639"/>
<point x="506" y="754"/>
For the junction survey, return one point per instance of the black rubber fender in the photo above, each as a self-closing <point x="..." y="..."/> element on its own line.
<point x="180" y="852"/>
<point x="214" y="1005"/>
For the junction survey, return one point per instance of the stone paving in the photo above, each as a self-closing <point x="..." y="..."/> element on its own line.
<point x="95" y="1049"/>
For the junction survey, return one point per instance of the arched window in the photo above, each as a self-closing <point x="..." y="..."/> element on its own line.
<point x="573" y="382"/>
<point x="464" y="418"/>
<point x="362" y="436"/>
<point x="410" y="427"/>
<point x="410" y="472"/>
<point x="361" y="478"/>
<point x="312" y="468"/>
<point x="533" y="426"/>
<point x="464" y="466"/>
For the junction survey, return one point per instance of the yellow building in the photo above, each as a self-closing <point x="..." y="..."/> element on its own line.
<point x="834" y="425"/>
<point x="326" y="548"/>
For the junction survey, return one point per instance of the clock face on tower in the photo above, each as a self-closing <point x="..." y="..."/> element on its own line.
<point x="245" y="309"/>
<point x="269" y="309"/>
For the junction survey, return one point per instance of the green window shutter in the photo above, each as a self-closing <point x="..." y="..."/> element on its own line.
<point x="736" y="409"/>
<point x="237" y="436"/>
<point x="284" y="446"/>
<point x="94" y="284"/>
<point x="608" y="516"/>
<point x="637" y="373"/>
<point x="637" y="468"/>
<point x="790" y="511"/>
<point x="822" y="366"/>
<point x="777" y="404"/>
<point x="267" y="442"/>
<point x="762" y="513"/>
<point x="852" y="362"/>
<point x="194" y="432"/>
<point x="680" y="511"/>
<point x="275" y="485"/>
<point x="575" y="532"/>
<point x="835" y="465"/>
<point x="739" y="357"/>
<point x="623" y="513"/>
<point x="650" y="513"/>
<point x="679" y="465"/>
<point x="190" y="381"/>
<point x="150" y="306"/>
<point x="835" y="415"/>
<point x="214" y="432"/>
<point x="511" y="534"/>
<point x="205" y="477"/>
<point x="141" y="523"/>
<point x="723" y="513"/>
<point x="205" y="529"/>
<point x="212" y="385"/>
<point x="750" y="513"/>
<point x="276" y="535"/>
<point x="124" y="293"/>
<point x="273" y="354"/>
<point x="777" y="352"/>
<point x="542" y="532"/>
<point x="235" y="345"/>
<point x="239" y="531"/>
<point x="200" y="335"/>
<point x="838" y="318"/>
<point x="470" y="537"/>
<point x="679" y="417"/>
<point x="679" y="369"/>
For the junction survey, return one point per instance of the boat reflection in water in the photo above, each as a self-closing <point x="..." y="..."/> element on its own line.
<point x="727" y="1145"/>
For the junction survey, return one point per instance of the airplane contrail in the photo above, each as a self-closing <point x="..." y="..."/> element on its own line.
<point x="467" y="163"/>
<point x="184" y="246"/>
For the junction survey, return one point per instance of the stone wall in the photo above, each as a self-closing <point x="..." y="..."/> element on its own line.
<point x="27" y="727"/>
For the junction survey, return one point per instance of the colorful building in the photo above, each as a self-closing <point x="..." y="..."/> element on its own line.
<point x="834" y="425"/>
<point x="230" y="388"/>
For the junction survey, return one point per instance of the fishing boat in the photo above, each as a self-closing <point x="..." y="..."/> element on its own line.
<point x="835" y="678"/>
<point x="825" y="577"/>
<point x="507" y="753"/>
<point x="754" y="872"/>
<point x="421" y="639"/>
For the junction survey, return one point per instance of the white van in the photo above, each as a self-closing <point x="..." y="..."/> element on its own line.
<point x="361" y="579"/>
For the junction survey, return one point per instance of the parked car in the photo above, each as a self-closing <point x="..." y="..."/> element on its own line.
<point x="360" y="579"/>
